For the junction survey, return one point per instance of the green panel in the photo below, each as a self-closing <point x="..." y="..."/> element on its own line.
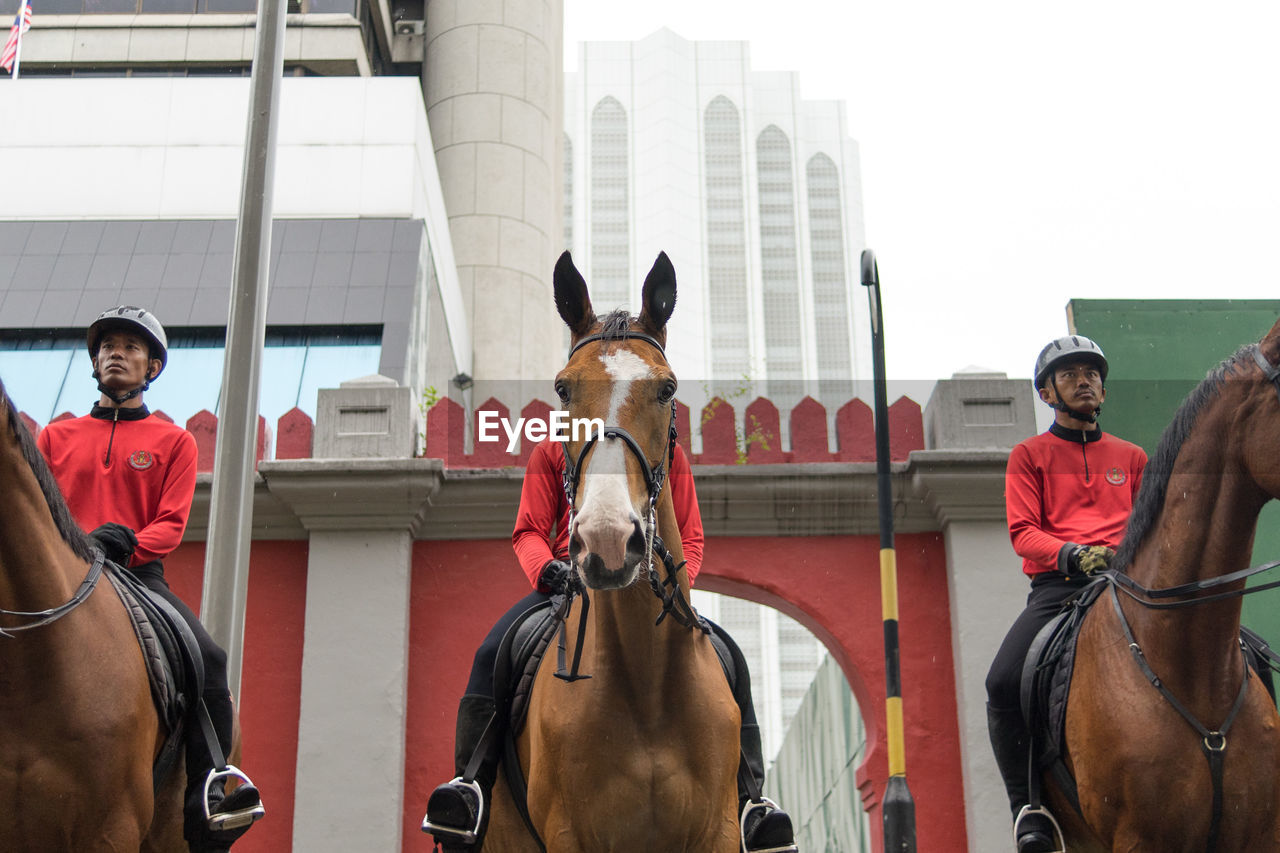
<point x="1158" y="350"/>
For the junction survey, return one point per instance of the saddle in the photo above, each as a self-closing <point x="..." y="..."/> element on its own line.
<point x="175" y="667"/>
<point x="1046" y="683"/>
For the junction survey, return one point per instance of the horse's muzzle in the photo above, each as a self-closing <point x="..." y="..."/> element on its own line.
<point x="594" y="549"/>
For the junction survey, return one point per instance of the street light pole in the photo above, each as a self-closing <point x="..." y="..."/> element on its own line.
<point x="898" y="808"/>
<point x="226" y="566"/>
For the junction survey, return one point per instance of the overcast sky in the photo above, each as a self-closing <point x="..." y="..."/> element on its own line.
<point x="1017" y="155"/>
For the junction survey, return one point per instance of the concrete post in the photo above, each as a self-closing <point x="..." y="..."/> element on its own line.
<point x="362" y="510"/>
<point x="971" y="422"/>
<point x="492" y="82"/>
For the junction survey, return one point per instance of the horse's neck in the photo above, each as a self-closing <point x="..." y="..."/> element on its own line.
<point x="35" y="564"/>
<point x="643" y="654"/>
<point x="1205" y="530"/>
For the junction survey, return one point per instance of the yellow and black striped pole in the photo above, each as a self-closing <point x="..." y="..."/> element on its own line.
<point x="898" y="808"/>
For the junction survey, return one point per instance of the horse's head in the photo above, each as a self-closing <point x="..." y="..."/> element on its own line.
<point x="618" y="377"/>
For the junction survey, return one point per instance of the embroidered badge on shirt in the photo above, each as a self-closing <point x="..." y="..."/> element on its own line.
<point x="1115" y="476"/>
<point x="142" y="460"/>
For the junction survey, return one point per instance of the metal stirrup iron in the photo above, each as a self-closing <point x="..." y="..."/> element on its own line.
<point x="229" y="820"/>
<point x="465" y="836"/>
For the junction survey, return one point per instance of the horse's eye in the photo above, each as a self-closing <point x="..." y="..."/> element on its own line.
<point x="562" y="391"/>
<point x="667" y="391"/>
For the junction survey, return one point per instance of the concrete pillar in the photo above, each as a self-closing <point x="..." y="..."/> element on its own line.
<point x="971" y="422"/>
<point x="493" y="86"/>
<point x="361" y="512"/>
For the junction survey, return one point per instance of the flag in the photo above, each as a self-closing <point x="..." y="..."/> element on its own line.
<point x="21" y="23"/>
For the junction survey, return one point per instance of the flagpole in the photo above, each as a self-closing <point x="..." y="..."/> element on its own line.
<point x="23" y="26"/>
<point x="17" y="50"/>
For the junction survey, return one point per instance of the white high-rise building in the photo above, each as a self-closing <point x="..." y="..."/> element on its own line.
<point x="754" y="193"/>
<point x="679" y="146"/>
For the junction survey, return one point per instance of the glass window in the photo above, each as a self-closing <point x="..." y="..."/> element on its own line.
<point x="187" y="7"/>
<point x="610" y="223"/>
<point x="48" y="372"/>
<point x="779" y="268"/>
<point x="830" y="300"/>
<point x="726" y="217"/>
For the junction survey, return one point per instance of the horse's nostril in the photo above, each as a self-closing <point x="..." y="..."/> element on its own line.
<point x="636" y="541"/>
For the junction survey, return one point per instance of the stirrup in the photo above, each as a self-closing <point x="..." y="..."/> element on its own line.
<point x="465" y="836"/>
<point x="217" y="821"/>
<point x="1040" y="810"/>
<point x="766" y="805"/>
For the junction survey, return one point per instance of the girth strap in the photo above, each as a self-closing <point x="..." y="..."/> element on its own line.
<point x="1212" y="744"/>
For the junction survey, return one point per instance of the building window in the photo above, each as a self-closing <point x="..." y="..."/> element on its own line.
<point x="830" y="289"/>
<point x="610" y="208"/>
<point x="779" y="268"/>
<point x="726" y="241"/>
<point x="47" y="372"/>
<point x="568" y="193"/>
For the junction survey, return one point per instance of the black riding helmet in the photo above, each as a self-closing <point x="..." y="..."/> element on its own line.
<point x="131" y="319"/>
<point x="1069" y="348"/>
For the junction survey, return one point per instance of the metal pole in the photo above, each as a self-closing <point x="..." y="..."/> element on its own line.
<point x="226" y="566"/>
<point x="899" y="809"/>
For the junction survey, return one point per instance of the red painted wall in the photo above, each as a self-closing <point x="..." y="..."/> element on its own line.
<point x="831" y="584"/>
<point x="271" y="682"/>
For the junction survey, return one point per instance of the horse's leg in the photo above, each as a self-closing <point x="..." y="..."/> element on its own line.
<point x="165" y="835"/>
<point x="507" y="832"/>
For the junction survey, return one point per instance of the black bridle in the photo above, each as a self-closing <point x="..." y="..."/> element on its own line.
<point x="40" y="618"/>
<point x="1212" y="743"/>
<point x="666" y="589"/>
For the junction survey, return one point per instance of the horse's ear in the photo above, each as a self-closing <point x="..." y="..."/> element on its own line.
<point x="572" y="300"/>
<point x="1270" y="344"/>
<point x="658" y="295"/>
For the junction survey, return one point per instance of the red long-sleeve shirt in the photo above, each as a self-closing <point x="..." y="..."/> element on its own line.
<point x="1068" y="486"/>
<point x="544" y="511"/>
<point x="139" y="473"/>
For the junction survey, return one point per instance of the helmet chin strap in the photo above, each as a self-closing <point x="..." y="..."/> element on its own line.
<point x="1087" y="417"/>
<point x="121" y="399"/>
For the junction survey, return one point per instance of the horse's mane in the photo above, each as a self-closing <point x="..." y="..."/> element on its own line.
<point x="67" y="527"/>
<point x="616" y="324"/>
<point x="1155" y="477"/>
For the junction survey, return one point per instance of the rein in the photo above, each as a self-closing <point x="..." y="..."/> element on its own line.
<point x="655" y="476"/>
<point x="53" y="614"/>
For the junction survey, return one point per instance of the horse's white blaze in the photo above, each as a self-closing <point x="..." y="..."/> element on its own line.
<point x="605" y="520"/>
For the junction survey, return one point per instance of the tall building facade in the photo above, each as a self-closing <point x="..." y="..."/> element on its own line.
<point x="754" y="193"/>
<point x="414" y="203"/>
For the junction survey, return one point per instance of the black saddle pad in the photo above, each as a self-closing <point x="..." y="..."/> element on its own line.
<point x="175" y="667"/>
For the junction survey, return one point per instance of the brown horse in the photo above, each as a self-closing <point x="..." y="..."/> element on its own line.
<point x="78" y="730"/>
<point x="641" y="756"/>
<point x="1154" y="706"/>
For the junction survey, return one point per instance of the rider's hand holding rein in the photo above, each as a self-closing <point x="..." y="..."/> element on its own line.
<point x="1076" y="559"/>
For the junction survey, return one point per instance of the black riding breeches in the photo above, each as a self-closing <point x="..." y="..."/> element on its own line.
<point x="1048" y="591"/>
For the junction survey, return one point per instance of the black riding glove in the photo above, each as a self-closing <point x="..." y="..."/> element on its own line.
<point x="1076" y="559"/>
<point x="557" y="578"/>
<point x="116" y="541"/>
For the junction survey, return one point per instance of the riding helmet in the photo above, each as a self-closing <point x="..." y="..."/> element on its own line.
<point x="132" y="319"/>
<point x="1076" y="347"/>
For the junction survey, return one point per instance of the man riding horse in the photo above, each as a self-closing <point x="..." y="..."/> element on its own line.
<point x="1068" y="493"/>
<point x="129" y="477"/>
